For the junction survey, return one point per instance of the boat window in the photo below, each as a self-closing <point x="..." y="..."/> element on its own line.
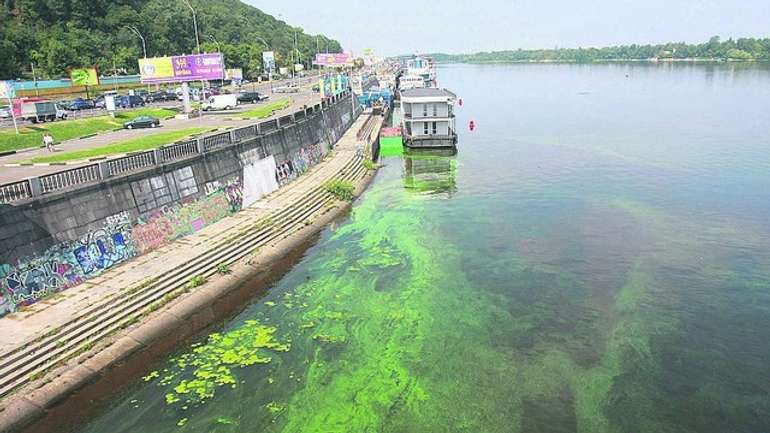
<point x="425" y="128"/>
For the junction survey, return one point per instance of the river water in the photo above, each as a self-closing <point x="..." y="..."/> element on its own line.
<point x="596" y="258"/>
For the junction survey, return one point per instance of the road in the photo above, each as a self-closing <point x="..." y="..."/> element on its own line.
<point x="209" y="120"/>
<point x="264" y="87"/>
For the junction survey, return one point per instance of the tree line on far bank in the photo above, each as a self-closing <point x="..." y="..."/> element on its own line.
<point x="743" y="49"/>
<point x="57" y="35"/>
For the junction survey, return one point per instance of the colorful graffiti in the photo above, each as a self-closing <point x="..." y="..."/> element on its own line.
<point x="66" y="264"/>
<point x="70" y="263"/>
<point x="306" y="157"/>
<point x="172" y="222"/>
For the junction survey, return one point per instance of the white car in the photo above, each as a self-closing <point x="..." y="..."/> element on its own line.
<point x="5" y="113"/>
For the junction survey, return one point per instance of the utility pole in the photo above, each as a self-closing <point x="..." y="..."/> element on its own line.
<point x="198" y="46"/>
<point x="144" y="46"/>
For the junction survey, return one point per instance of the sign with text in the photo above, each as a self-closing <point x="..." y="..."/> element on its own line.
<point x="182" y="68"/>
<point x="268" y="60"/>
<point x="333" y="60"/>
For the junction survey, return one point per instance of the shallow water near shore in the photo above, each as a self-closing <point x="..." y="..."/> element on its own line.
<point x="596" y="258"/>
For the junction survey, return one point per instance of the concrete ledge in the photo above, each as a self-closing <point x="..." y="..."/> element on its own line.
<point x="84" y="386"/>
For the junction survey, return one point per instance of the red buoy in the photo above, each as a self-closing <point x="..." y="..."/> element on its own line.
<point x="472" y="125"/>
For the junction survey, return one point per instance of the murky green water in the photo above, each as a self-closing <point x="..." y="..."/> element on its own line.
<point x="596" y="259"/>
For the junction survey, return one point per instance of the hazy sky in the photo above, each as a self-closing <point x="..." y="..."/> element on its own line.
<point x="407" y="26"/>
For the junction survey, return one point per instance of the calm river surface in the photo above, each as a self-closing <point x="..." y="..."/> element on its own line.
<point x="595" y="259"/>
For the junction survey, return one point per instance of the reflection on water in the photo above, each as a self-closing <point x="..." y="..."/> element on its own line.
<point x="431" y="171"/>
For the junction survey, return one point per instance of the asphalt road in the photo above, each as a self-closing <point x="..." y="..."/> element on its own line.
<point x="209" y="120"/>
<point x="92" y="112"/>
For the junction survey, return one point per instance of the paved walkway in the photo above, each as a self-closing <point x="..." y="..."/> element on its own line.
<point x="217" y="120"/>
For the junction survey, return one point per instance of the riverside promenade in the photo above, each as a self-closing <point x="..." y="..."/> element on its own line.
<point x="95" y="337"/>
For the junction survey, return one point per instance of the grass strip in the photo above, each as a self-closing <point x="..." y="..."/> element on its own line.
<point x="32" y="135"/>
<point x="133" y="145"/>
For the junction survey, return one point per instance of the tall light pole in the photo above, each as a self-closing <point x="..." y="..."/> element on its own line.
<point x="198" y="45"/>
<point x="195" y="24"/>
<point x="136" y="32"/>
<point x="219" y="48"/>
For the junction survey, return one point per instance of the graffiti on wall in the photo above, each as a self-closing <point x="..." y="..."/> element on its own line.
<point x="299" y="162"/>
<point x="65" y="264"/>
<point x="172" y="222"/>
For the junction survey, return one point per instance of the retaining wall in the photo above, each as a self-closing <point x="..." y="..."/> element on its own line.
<point x="71" y="226"/>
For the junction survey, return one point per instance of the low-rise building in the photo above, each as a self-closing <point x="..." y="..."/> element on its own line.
<point x="427" y="118"/>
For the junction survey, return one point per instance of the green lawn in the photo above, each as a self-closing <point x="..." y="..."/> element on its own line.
<point x="32" y="135"/>
<point x="265" y="110"/>
<point x="133" y="145"/>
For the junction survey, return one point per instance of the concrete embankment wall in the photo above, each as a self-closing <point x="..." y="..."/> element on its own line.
<point x="58" y="240"/>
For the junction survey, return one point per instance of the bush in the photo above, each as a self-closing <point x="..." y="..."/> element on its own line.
<point x="196" y="281"/>
<point x="341" y="189"/>
<point x="368" y="164"/>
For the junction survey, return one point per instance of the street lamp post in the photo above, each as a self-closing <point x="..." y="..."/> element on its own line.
<point x="195" y="24"/>
<point x="136" y="32"/>
<point x="144" y="45"/>
<point x="198" y="46"/>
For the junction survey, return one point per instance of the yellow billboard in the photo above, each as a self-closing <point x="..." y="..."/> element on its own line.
<point x="156" y="69"/>
<point x="84" y="77"/>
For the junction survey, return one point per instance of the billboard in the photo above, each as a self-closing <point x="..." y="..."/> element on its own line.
<point x="235" y="74"/>
<point x="299" y="67"/>
<point x="333" y="59"/>
<point x="84" y="76"/>
<point x="182" y="68"/>
<point x="268" y="60"/>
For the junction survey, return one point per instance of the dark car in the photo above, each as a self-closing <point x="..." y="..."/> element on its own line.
<point x="80" y="104"/>
<point x="252" y="97"/>
<point x="142" y="122"/>
<point x="161" y="96"/>
<point x="130" y="101"/>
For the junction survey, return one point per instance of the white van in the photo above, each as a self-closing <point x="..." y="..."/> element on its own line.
<point x="220" y="102"/>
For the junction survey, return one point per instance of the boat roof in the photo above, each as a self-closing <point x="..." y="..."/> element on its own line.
<point x="427" y="92"/>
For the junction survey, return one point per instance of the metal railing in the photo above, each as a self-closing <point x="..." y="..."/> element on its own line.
<point x="102" y="170"/>
<point x="15" y="191"/>
<point x="130" y="163"/>
<point x="65" y="179"/>
<point x="177" y="151"/>
<point x="246" y="133"/>
<point x="215" y="141"/>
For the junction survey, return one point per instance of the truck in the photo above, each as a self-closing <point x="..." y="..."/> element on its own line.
<point x="35" y="110"/>
<point x="220" y="102"/>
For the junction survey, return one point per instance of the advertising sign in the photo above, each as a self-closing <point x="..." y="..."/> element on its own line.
<point x="84" y="77"/>
<point x="299" y="67"/>
<point x="235" y="74"/>
<point x="283" y="71"/>
<point x="268" y="60"/>
<point x="6" y="90"/>
<point x="182" y="68"/>
<point x="333" y="60"/>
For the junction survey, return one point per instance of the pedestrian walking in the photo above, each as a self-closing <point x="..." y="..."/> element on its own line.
<point x="48" y="142"/>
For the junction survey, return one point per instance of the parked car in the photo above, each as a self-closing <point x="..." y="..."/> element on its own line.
<point x="287" y="89"/>
<point x="78" y="104"/>
<point x="161" y="96"/>
<point x="220" y="102"/>
<point x="99" y="102"/>
<point x="253" y="97"/>
<point x="142" y="122"/>
<point x="317" y="88"/>
<point x="5" y="112"/>
<point x="130" y="101"/>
